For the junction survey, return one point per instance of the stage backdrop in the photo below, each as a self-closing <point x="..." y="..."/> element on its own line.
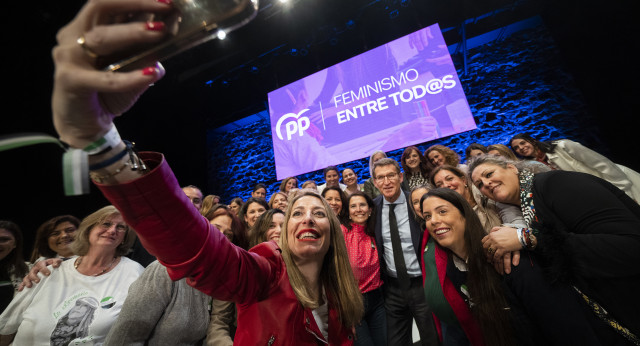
<point x="518" y="84"/>
<point x="399" y="94"/>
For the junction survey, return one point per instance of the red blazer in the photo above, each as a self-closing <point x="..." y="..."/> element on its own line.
<point x="171" y="228"/>
<point x="458" y="305"/>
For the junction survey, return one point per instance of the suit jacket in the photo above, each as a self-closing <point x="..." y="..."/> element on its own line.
<point x="416" y="231"/>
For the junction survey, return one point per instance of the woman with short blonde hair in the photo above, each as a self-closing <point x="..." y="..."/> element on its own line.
<point x="81" y="244"/>
<point x="100" y="274"/>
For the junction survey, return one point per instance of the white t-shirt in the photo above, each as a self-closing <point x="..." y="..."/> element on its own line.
<point x="69" y="308"/>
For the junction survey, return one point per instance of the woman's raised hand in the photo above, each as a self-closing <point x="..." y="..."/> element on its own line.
<point x="85" y="98"/>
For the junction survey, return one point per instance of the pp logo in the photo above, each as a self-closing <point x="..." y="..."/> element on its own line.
<point x="297" y="124"/>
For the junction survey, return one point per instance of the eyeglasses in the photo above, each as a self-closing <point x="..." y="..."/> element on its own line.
<point x="391" y="177"/>
<point x="120" y="228"/>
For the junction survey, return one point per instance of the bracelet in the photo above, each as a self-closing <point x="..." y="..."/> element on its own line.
<point x="527" y="239"/>
<point x="531" y="240"/>
<point x="110" y="160"/>
<point x="101" y="178"/>
<point x="520" y="234"/>
<point x="103" y="145"/>
<point x="134" y="162"/>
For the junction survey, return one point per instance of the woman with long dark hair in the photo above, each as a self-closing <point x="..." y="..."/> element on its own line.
<point x="268" y="227"/>
<point x="337" y="200"/>
<point x="477" y="306"/>
<point x="359" y="235"/>
<point x="415" y="167"/>
<point x="474" y="149"/>
<point x="236" y="205"/>
<point x="251" y="210"/>
<point x="568" y="155"/>
<point x="54" y="238"/>
<point x="12" y="265"/>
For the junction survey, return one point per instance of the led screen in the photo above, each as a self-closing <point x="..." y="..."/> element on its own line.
<point x="399" y="94"/>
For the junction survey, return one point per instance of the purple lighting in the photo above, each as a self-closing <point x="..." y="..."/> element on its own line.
<point x="399" y="94"/>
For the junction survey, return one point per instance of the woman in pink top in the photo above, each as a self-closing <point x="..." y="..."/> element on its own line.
<point x="363" y="255"/>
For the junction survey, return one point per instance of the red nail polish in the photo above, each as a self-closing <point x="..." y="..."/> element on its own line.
<point x="149" y="71"/>
<point x="168" y="2"/>
<point x="155" y="26"/>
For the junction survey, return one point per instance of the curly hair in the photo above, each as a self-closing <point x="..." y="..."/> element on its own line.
<point x="451" y="158"/>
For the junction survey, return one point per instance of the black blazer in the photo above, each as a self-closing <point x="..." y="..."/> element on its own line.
<point x="416" y="231"/>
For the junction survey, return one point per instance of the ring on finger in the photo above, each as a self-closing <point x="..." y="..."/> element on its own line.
<point x="491" y="251"/>
<point x="83" y="43"/>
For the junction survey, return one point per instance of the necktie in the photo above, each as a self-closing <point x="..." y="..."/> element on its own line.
<point x="401" y="267"/>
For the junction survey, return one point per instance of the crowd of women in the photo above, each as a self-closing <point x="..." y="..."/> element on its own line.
<point x="531" y="243"/>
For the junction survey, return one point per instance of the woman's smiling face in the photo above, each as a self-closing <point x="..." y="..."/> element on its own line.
<point x="445" y="224"/>
<point x="334" y="200"/>
<point x="308" y="230"/>
<point x="498" y="183"/>
<point x="254" y="210"/>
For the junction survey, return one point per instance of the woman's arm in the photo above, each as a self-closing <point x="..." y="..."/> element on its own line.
<point x="12" y="316"/>
<point x="607" y="170"/>
<point x="84" y="103"/>
<point x="171" y="229"/>
<point x="146" y="302"/>
<point x="223" y="315"/>
<point x="595" y="225"/>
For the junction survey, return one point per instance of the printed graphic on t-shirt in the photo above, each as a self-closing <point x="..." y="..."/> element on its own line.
<point x="75" y="315"/>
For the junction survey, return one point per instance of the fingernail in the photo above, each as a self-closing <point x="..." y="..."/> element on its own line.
<point x="155" y="26"/>
<point x="148" y="71"/>
<point x="168" y="2"/>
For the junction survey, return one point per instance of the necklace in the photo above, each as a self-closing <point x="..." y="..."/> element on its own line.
<point x="104" y="270"/>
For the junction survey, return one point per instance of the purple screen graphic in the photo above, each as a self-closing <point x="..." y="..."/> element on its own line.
<point x="402" y="93"/>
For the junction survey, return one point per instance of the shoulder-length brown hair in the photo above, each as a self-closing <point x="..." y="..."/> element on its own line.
<point x="273" y="197"/>
<point x="424" y="163"/>
<point x="260" y="228"/>
<point x="283" y="185"/>
<point x="336" y="274"/>
<point x="237" y="226"/>
<point x="504" y="151"/>
<point x="483" y="282"/>
<point x="457" y="172"/>
<point x="80" y="245"/>
<point x="41" y="244"/>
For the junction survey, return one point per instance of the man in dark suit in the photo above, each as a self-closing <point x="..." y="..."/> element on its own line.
<point x="398" y="236"/>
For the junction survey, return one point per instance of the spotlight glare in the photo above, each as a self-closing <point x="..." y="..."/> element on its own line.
<point x="222" y="35"/>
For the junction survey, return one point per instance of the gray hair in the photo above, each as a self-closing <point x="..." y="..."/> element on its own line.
<point x="385" y="162"/>
<point x="532" y="166"/>
<point x="371" y="160"/>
